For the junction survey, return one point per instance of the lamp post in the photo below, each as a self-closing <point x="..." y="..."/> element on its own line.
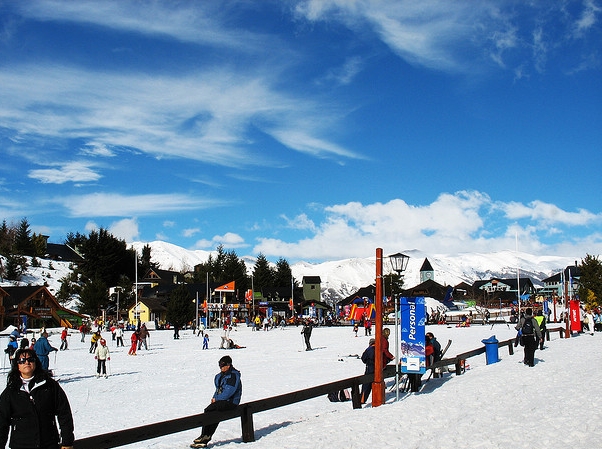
<point x="399" y="263"/>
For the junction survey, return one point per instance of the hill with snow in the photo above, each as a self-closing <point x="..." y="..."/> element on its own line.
<point x="342" y="278"/>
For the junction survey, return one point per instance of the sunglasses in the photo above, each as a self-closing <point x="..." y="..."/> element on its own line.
<point x="26" y="360"/>
<point x="222" y="364"/>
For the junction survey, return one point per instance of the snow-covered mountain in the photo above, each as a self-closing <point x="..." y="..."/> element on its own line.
<point x="342" y="278"/>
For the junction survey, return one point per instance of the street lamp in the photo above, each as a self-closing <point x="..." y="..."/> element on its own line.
<point x="399" y="263"/>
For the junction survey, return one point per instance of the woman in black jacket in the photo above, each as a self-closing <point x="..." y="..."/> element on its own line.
<point x="29" y="406"/>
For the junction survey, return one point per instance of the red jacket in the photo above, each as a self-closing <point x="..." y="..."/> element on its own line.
<point x="387" y="356"/>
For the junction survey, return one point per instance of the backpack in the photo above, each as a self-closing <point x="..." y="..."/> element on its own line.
<point x="528" y="328"/>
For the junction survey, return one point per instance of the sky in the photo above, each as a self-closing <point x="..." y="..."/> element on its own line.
<point x="501" y="405"/>
<point x="306" y="129"/>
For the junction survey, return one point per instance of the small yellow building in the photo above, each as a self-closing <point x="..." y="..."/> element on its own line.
<point x="149" y="309"/>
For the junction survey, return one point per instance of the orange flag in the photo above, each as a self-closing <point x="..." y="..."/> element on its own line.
<point x="229" y="287"/>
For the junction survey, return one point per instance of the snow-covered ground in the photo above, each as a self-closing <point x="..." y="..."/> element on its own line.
<point x="553" y="405"/>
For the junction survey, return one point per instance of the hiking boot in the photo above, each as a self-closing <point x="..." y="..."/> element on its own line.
<point x="203" y="439"/>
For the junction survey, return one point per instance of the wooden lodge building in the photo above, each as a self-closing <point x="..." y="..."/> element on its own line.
<point x="34" y="307"/>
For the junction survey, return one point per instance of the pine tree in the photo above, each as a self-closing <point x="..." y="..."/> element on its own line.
<point x="283" y="274"/>
<point x="23" y="244"/>
<point x="180" y="308"/>
<point x="145" y="259"/>
<point x="94" y="297"/>
<point x="16" y="266"/>
<point x="105" y="257"/>
<point x="263" y="273"/>
<point x="7" y="237"/>
<point x="235" y="269"/>
<point x="590" y="281"/>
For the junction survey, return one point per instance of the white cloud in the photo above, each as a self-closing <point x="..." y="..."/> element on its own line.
<point x="66" y="172"/>
<point x="548" y="214"/>
<point x="116" y="205"/>
<point x="94" y="149"/>
<point x="190" y="232"/>
<point x="229" y="240"/>
<point x="466" y="221"/>
<point x="126" y="229"/>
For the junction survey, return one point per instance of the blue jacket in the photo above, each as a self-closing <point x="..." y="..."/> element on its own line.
<point x="228" y="386"/>
<point x="42" y="347"/>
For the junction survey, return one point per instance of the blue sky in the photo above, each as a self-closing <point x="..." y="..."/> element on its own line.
<point x="309" y="130"/>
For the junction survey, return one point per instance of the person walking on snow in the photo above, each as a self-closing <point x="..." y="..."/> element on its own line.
<point x="228" y="391"/>
<point x="102" y="354"/>
<point x="142" y="335"/>
<point x="531" y="335"/>
<point x="42" y="349"/>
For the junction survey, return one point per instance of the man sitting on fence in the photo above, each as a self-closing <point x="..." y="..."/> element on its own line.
<point x="228" y="391"/>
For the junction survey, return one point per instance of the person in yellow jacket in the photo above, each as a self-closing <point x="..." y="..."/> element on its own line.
<point x="541" y="321"/>
<point x="94" y="341"/>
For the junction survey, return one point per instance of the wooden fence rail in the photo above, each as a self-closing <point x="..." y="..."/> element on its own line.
<point x="245" y="411"/>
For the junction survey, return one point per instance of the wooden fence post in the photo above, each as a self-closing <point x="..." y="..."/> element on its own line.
<point x="248" y="430"/>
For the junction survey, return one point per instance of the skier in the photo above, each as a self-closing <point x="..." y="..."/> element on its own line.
<point x="228" y="391"/>
<point x="64" y="336"/>
<point x="94" y="341"/>
<point x="82" y="331"/>
<point x="43" y="348"/>
<point x="102" y="354"/>
<point x="119" y="336"/>
<point x="206" y="341"/>
<point x="306" y="331"/>
<point x="134" y="340"/>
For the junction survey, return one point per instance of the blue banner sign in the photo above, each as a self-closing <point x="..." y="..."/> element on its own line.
<point x="413" y="320"/>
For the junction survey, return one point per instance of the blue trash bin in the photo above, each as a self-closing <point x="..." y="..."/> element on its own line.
<point x="491" y="350"/>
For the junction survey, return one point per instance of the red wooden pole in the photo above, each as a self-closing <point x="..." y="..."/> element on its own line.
<point x="378" y="386"/>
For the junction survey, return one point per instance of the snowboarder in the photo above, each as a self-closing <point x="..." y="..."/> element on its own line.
<point x="228" y="391"/>
<point x="102" y="354"/>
